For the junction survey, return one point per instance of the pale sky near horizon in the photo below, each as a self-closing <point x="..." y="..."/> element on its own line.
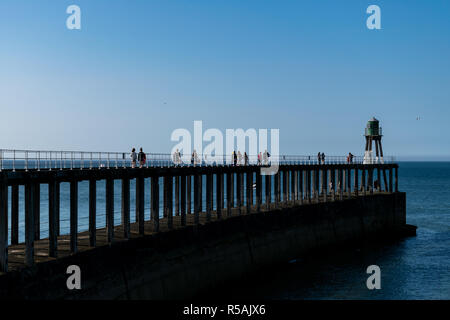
<point x="137" y="70"/>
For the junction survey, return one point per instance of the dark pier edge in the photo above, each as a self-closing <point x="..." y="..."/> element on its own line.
<point x="183" y="255"/>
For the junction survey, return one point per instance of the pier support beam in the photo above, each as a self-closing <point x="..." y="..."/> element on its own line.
<point x="239" y="192"/>
<point x="229" y="194"/>
<point x="341" y="185"/>
<point x="268" y="191"/>
<point x="73" y="216"/>
<point x="37" y="211"/>
<point x="349" y="183"/>
<point x="189" y="194"/>
<point x="390" y="180"/>
<point x="52" y="236"/>
<point x="29" y="224"/>
<point x="197" y="199"/>
<point x="177" y="195"/>
<point x="396" y="179"/>
<point x="219" y="187"/>
<point x="155" y="203"/>
<point x="363" y="181"/>
<point x="209" y="196"/>
<point x="92" y="212"/>
<point x="110" y="209"/>
<point x="249" y="188"/>
<point x="356" y="180"/>
<point x="140" y="194"/>
<point x="3" y="226"/>
<point x="258" y="190"/>
<point x="300" y="181"/>
<point x="276" y="183"/>
<point x="125" y="210"/>
<point x="15" y="214"/>
<point x="183" y="200"/>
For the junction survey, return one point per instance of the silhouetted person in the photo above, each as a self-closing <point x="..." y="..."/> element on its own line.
<point x="133" y="157"/>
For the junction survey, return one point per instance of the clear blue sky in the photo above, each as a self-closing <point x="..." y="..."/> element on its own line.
<point x="140" y="69"/>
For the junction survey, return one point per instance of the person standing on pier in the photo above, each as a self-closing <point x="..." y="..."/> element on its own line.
<point x="239" y="158"/>
<point x="141" y="158"/>
<point x="323" y="158"/>
<point x="234" y="158"/>
<point x="133" y="158"/>
<point x="259" y="158"/>
<point x="319" y="157"/>
<point x="245" y="159"/>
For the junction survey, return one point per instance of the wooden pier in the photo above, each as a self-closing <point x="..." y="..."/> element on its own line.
<point x="184" y="202"/>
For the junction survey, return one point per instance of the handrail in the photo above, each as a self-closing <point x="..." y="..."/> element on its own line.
<point x="11" y="159"/>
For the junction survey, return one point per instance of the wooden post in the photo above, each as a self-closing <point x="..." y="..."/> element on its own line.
<point x="349" y="183"/>
<point x="241" y="192"/>
<point x="73" y="216"/>
<point x="218" y="195"/>
<point x="52" y="236"/>
<point x="92" y="212"/>
<point x="196" y="199"/>
<point x="29" y="224"/>
<point x="379" y="178"/>
<point x="183" y="200"/>
<point x="229" y="194"/>
<point x="15" y="214"/>
<point x="293" y="187"/>
<point x="333" y="183"/>
<point x="300" y="180"/>
<point x="170" y="202"/>
<point x="341" y="189"/>
<point x="268" y="191"/>
<point x="58" y="213"/>
<point x="126" y="207"/>
<point x="200" y="191"/>
<point x="232" y="189"/>
<point x="249" y="188"/>
<point x="189" y="194"/>
<point x="308" y="186"/>
<point x="165" y="196"/>
<point x="363" y="181"/>
<point x="371" y="180"/>
<point x="258" y="190"/>
<point x="177" y="195"/>
<point x="276" y="185"/>
<point x="356" y="180"/>
<point x="3" y="226"/>
<point x="110" y="209"/>
<point x="155" y="203"/>
<point x="140" y="194"/>
<point x="238" y="192"/>
<point x="324" y="183"/>
<point x="37" y="211"/>
<point x="209" y="200"/>
<point x="390" y="180"/>
<point x="385" y="180"/>
<point x="314" y="185"/>
<point x="396" y="179"/>
<point x="285" y="186"/>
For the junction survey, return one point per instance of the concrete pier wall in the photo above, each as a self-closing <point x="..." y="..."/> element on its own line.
<point x="183" y="262"/>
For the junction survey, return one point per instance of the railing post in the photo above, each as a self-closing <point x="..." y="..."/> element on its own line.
<point x="73" y="216"/>
<point x="52" y="209"/>
<point x="110" y="209"/>
<point x="155" y="203"/>
<point x="92" y="212"/>
<point x="29" y="224"/>
<point x="15" y="214"/>
<point x="3" y="225"/>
